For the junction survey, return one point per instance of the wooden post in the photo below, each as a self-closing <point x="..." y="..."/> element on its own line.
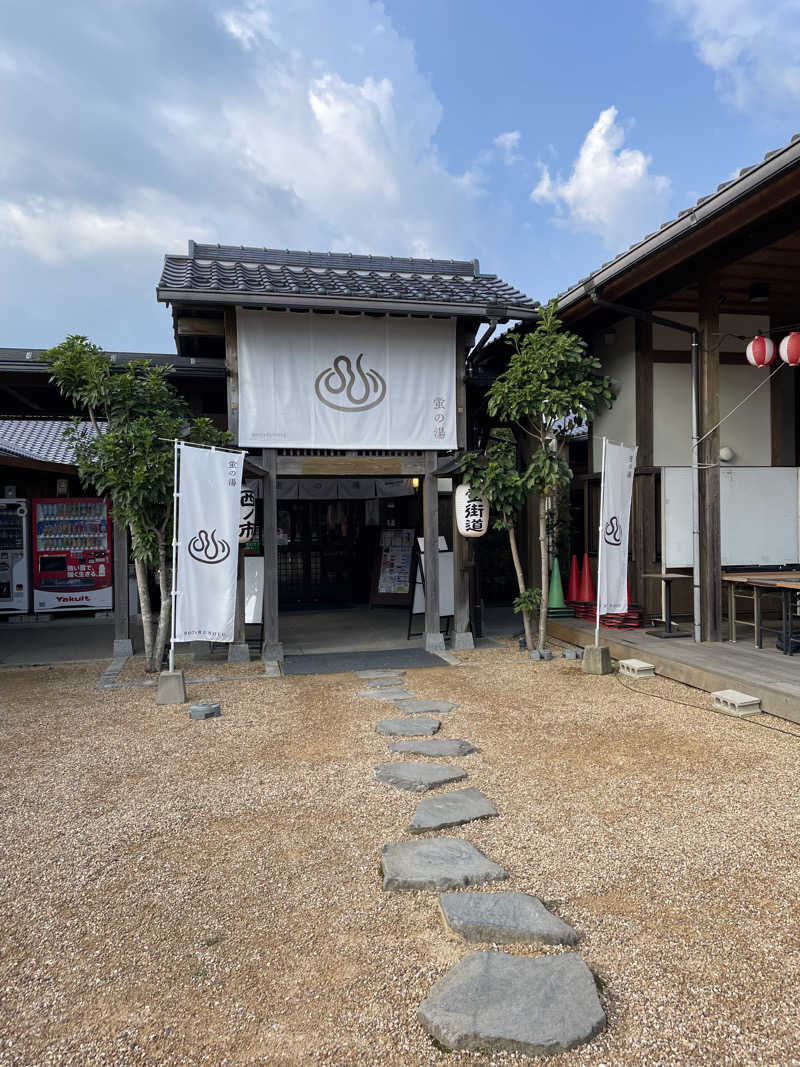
<point x="434" y="642"/>
<point x="272" y="649"/>
<point x="123" y="646"/>
<point x="644" y="393"/>
<point x="462" y="553"/>
<point x="708" y="460"/>
<point x="238" y="652"/>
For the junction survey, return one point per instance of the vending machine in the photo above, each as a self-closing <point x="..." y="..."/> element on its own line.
<point x="15" y="558"/>
<point x="72" y="563"/>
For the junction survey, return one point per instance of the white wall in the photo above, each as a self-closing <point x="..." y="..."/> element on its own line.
<point x="618" y="359"/>
<point x="747" y="432"/>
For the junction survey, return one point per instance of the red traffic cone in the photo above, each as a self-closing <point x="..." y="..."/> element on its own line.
<point x="573" y="586"/>
<point x="586" y="594"/>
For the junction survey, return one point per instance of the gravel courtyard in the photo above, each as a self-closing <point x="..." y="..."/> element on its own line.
<point x="178" y="892"/>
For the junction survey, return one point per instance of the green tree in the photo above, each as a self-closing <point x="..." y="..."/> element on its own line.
<point x="136" y="415"/>
<point x="550" y="387"/>
<point x="495" y="474"/>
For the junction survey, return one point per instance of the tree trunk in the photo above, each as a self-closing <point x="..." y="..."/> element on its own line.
<point x="545" y="571"/>
<point x="145" y="607"/>
<point x="526" y="617"/>
<point x="165" y="615"/>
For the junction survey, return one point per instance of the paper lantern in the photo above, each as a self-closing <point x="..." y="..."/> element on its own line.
<point x="760" y="351"/>
<point x="472" y="516"/>
<point x="790" y="349"/>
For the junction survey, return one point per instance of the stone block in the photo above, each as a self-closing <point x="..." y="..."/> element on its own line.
<point x="503" y="918"/>
<point x="437" y="863"/>
<point x="441" y="747"/>
<point x="208" y="710"/>
<point x="418" y="777"/>
<point x="451" y="809"/>
<point x="637" y="668"/>
<point x="596" y="659"/>
<point x="421" y="726"/>
<point x="732" y="702"/>
<point x="238" y="653"/>
<point x="123" y="646"/>
<point x="462" y="641"/>
<point x="171" y="688"/>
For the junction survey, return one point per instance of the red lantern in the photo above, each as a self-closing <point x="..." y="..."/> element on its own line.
<point x="760" y="351"/>
<point x="790" y="349"/>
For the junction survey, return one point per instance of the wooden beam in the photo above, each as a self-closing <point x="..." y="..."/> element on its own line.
<point x="272" y="649"/>
<point x="708" y="459"/>
<point x="196" y="327"/>
<point x="644" y="393"/>
<point x="434" y="642"/>
<point x="350" y="466"/>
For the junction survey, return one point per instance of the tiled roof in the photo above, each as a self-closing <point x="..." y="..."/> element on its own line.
<point x="775" y="162"/>
<point x="39" y="439"/>
<point x="250" y="274"/>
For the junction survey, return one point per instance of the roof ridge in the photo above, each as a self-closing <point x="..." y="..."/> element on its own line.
<point x="343" y="260"/>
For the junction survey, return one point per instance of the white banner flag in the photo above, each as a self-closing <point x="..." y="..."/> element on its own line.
<point x="615" y="514"/>
<point x="208" y="543"/>
<point x="345" y="381"/>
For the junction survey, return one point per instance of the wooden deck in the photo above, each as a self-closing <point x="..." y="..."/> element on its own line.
<point x="762" y="672"/>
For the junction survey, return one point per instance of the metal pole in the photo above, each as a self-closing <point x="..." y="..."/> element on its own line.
<point x="600" y="542"/>
<point x="695" y="489"/>
<point x="175" y="497"/>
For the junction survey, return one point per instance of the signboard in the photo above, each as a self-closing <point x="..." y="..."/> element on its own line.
<point x="345" y="381"/>
<point x="392" y="583"/>
<point x="619" y="464"/>
<point x="208" y="534"/>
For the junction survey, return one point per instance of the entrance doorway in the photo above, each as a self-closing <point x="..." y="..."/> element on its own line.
<point x="328" y="549"/>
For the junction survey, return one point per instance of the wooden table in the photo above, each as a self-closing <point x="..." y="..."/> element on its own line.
<point x="668" y="630"/>
<point x="782" y="584"/>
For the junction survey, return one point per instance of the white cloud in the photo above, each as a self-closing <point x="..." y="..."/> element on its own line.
<point x="508" y="143"/>
<point x="610" y="190"/>
<point x="753" y="47"/>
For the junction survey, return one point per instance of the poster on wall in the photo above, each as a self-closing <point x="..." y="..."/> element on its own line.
<point x="336" y="381"/>
<point x="392" y="582"/>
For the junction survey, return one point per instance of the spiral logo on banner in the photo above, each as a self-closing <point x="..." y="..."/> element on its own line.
<point x="612" y="535"/>
<point x="207" y="548"/>
<point x="360" y="389"/>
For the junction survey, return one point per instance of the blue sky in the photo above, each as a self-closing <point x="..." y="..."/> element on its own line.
<point x="541" y="138"/>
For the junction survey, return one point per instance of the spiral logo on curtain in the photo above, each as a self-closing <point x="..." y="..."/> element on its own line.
<point x="361" y="389"/>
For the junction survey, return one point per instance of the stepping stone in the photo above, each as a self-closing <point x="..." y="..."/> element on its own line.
<point x="438" y="747"/>
<point x="383" y="683"/>
<point x="371" y="673"/>
<point x="393" y="693"/>
<point x="451" y="809"/>
<point x="409" y="727"/>
<point x="418" y="777"/>
<point x="491" y="1000"/>
<point x="438" y="863"/>
<point x="409" y="706"/>
<point x="503" y="918"/>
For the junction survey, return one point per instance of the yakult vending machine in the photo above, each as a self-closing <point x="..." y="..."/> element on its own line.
<point x="15" y="562"/>
<point x="72" y="566"/>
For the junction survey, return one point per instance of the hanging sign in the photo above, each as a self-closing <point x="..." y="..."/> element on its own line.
<point x="472" y="516"/>
<point x="247" y="515"/>
<point x="345" y="381"/>
<point x="615" y="513"/>
<point x="209" y="489"/>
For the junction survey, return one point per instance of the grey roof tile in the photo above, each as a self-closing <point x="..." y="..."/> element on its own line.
<point x="273" y="273"/>
<point x="39" y="439"/>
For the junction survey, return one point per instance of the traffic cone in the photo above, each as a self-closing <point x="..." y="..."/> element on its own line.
<point x="574" y="582"/>
<point x="586" y="594"/>
<point x="556" y="608"/>
<point x="556" y="597"/>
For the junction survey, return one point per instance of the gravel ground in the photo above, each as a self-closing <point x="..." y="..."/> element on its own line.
<point x="177" y="892"/>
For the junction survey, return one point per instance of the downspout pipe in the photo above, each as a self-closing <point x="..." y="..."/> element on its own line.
<point x="659" y="320"/>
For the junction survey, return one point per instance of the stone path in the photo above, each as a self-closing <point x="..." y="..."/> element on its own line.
<point x="418" y="777"/>
<point x="503" y="919"/>
<point x="438" y="863"/>
<point x="443" y="746"/>
<point x="408" y="727"/>
<point x="488" y="1000"/>
<point x="451" y="809"/>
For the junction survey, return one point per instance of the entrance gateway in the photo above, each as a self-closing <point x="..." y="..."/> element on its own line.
<point x="345" y="372"/>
